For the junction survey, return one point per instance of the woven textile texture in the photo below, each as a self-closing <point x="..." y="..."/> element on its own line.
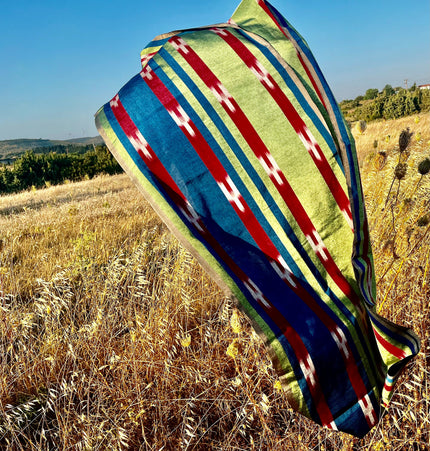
<point x="233" y="136"/>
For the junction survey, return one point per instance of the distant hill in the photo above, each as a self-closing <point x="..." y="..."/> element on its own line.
<point x="12" y="148"/>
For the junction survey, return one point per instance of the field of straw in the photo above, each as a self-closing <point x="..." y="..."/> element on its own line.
<point x="113" y="338"/>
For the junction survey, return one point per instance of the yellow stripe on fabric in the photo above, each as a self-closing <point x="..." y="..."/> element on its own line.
<point x="387" y="358"/>
<point x="148" y="50"/>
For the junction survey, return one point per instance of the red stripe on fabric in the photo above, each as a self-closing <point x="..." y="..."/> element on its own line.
<point x="262" y="153"/>
<point x="388" y="387"/>
<point x="294" y="119"/>
<point x="145" y="58"/>
<point x="392" y="349"/>
<point x="257" y="232"/>
<point x="265" y="8"/>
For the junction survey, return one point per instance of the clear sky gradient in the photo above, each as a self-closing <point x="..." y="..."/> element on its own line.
<point x="61" y="60"/>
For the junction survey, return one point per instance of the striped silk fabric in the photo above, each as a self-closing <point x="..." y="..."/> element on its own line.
<point x="233" y="136"/>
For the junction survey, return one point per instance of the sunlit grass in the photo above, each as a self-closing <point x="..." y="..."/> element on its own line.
<point x="113" y="337"/>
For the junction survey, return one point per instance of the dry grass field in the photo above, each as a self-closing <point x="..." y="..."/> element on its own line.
<point x="113" y="338"/>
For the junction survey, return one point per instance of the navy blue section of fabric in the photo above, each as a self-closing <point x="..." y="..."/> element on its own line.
<point x="275" y="209"/>
<point x="353" y="420"/>
<point x="298" y="95"/>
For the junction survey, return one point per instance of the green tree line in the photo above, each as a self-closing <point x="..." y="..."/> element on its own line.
<point x="390" y="103"/>
<point x="64" y="148"/>
<point x="32" y="169"/>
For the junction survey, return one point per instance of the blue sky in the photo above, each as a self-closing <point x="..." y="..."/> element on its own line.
<point x="61" y="60"/>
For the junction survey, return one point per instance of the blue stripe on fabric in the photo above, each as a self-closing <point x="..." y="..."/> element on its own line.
<point x="275" y="210"/>
<point x="298" y="95"/>
<point x="156" y="43"/>
<point x="355" y="203"/>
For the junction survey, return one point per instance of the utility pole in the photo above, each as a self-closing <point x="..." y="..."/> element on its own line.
<point x="406" y="83"/>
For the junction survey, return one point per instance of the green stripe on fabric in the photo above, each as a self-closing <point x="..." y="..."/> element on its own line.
<point x="250" y="16"/>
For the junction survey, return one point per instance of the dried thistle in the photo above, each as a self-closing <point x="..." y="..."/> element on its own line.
<point x="404" y="139"/>
<point x="423" y="221"/>
<point x="400" y="171"/>
<point x="381" y="159"/>
<point x="424" y="167"/>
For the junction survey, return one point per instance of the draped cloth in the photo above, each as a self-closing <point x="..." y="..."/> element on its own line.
<point x="234" y="137"/>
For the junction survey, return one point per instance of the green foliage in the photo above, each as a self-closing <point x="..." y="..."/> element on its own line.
<point x="372" y="110"/>
<point x="402" y="104"/>
<point x="13" y="148"/>
<point x="424" y="98"/>
<point x="38" y="170"/>
<point x="389" y="104"/>
<point x="371" y="94"/>
<point x="388" y="90"/>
